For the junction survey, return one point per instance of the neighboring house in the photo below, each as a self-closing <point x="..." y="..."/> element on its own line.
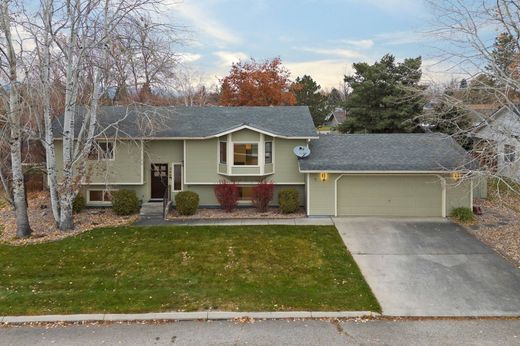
<point x="498" y="135"/>
<point x="194" y="148"/>
<point x="335" y="118"/>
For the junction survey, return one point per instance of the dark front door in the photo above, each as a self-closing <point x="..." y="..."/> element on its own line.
<point x="159" y="179"/>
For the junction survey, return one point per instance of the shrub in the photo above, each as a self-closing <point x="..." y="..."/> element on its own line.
<point x="186" y="202"/>
<point x="288" y="200"/>
<point x="227" y="195"/>
<point x="79" y="204"/>
<point x="125" y="202"/>
<point x="463" y="214"/>
<point x="262" y="195"/>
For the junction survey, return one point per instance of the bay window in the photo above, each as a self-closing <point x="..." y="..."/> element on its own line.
<point x="223" y="152"/>
<point x="268" y="152"/>
<point x="245" y="154"/>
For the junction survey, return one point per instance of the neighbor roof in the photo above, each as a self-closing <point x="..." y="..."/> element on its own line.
<point x="199" y="122"/>
<point x="384" y="152"/>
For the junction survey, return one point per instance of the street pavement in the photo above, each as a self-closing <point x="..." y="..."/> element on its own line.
<point x="273" y="332"/>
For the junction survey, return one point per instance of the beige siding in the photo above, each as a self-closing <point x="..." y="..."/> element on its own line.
<point x="245" y="136"/>
<point x="245" y="170"/>
<point x="321" y="195"/>
<point x="124" y="169"/>
<point x="286" y="163"/>
<point x="457" y="195"/>
<point x="201" y="161"/>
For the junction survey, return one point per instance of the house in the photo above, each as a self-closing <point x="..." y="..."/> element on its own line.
<point x="194" y="148"/>
<point x="497" y="139"/>
<point x="335" y="118"/>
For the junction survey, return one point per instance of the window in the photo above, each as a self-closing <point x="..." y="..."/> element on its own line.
<point x="223" y="152"/>
<point x="102" y="151"/>
<point x="246" y="193"/>
<point x="245" y="154"/>
<point x="177" y="177"/>
<point x="100" y="196"/>
<point x="509" y="153"/>
<point x="268" y="152"/>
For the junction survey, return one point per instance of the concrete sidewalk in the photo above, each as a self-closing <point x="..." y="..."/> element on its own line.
<point x="302" y="221"/>
<point x="186" y="316"/>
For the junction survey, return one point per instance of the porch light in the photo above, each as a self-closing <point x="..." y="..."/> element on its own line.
<point x="456" y="176"/>
<point x="324" y="176"/>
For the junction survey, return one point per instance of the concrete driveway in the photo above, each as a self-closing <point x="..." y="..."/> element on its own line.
<point x="431" y="268"/>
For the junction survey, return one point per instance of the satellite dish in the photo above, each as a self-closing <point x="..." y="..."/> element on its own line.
<point x="301" y="151"/>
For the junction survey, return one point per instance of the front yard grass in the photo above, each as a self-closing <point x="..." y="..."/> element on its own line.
<point x="176" y="268"/>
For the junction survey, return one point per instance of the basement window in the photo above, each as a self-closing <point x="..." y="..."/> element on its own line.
<point x="100" y="196"/>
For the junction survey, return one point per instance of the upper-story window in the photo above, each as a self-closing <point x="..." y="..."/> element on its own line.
<point x="509" y="153"/>
<point x="245" y="154"/>
<point x="102" y="151"/>
<point x="268" y="152"/>
<point x="223" y="152"/>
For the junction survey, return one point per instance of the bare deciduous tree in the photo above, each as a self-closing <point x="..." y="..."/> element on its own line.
<point x="467" y="31"/>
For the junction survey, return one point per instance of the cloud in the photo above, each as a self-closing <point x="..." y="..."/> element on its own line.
<point x="362" y="44"/>
<point x="227" y="58"/>
<point x="336" y="52"/>
<point x="400" y="37"/>
<point x="206" y="22"/>
<point x="189" y="57"/>
<point x="328" y="73"/>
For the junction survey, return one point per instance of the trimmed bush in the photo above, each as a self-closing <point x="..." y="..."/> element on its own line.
<point x="288" y="200"/>
<point x="262" y="195"/>
<point x="227" y="195"/>
<point x="79" y="204"/>
<point x="186" y="202"/>
<point x="463" y="214"/>
<point x="125" y="202"/>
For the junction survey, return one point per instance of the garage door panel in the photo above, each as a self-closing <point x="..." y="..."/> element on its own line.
<point x="389" y="196"/>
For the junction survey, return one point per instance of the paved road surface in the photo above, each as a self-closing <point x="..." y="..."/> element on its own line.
<point x="274" y="332"/>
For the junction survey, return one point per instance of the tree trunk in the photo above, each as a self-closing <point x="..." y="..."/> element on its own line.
<point x="23" y="229"/>
<point x="66" y="221"/>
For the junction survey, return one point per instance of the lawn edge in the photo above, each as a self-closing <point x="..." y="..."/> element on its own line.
<point x="185" y="316"/>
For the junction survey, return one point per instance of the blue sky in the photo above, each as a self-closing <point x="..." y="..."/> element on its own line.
<point x="317" y="37"/>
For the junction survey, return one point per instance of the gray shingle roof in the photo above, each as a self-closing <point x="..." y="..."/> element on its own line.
<point x="171" y="122"/>
<point x="384" y="152"/>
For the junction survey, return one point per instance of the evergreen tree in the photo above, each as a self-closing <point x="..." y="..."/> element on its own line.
<point x="307" y="93"/>
<point x="504" y="51"/>
<point x="334" y="99"/>
<point x="384" y="97"/>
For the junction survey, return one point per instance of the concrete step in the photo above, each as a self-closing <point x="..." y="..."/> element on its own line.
<point x="152" y="209"/>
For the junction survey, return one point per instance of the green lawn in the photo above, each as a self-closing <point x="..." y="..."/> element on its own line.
<point x="132" y="269"/>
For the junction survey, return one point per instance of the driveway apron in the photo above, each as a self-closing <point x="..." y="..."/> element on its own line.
<point x="430" y="267"/>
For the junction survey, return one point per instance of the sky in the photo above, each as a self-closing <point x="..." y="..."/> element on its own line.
<point x="321" y="38"/>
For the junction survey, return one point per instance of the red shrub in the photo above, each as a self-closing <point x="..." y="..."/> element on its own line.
<point x="227" y="195"/>
<point x="262" y="195"/>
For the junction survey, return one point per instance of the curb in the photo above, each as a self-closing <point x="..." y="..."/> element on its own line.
<point x="185" y="316"/>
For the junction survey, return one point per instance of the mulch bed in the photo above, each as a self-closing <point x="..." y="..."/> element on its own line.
<point x="43" y="225"/>
<point x="239" y="213"/>
<point x="499" y="226"/>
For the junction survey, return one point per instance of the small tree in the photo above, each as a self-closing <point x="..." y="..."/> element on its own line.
<point x="263" y="195"/>
<point x="227" y="195"/>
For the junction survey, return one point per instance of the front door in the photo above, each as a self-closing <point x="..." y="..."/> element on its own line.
<point x="159" y="180"/>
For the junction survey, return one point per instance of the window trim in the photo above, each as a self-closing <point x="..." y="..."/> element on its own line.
<point x="99" y="155"/>
<point x="103" y="202"/>
<point x="173" y="176"/>
<point x="257" y="143"/>
<point x="265" y="152"/>
<point x="220" y="142"/>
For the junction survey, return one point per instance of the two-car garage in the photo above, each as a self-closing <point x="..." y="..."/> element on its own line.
<point x="409" y="175"/>
<point x="389" y="195"/>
